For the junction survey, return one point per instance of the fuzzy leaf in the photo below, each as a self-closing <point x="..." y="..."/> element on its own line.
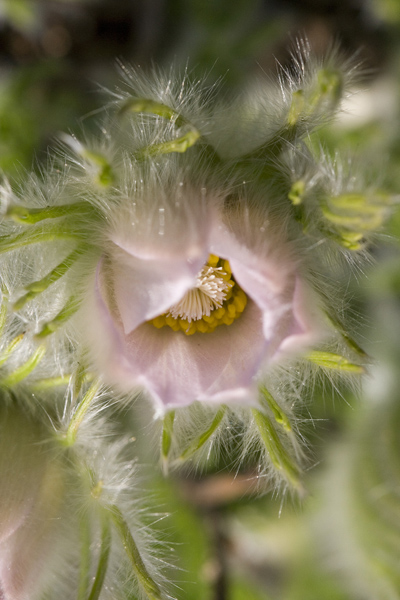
<point x="280" y="416"/>
<point x="198" y="442"/>
<point x="166" y="439"/>
<point x="37" y="287"/>
<point x="140" y="105"/>
<point x="329" y="360"/>
<point x="276" y="450"/>
<point x="24" y="370"/>
<point x="64" y="315"/>
<point x="149" y="586"/>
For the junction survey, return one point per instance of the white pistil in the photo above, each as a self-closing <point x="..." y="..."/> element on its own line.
<point x="208" y="294"/>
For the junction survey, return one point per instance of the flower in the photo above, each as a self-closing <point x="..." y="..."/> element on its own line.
<point x="195" y="247"/>
<point x="200" y="309"/>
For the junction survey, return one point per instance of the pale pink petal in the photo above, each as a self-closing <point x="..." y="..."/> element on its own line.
<point x="144" y="289"/>
<point x="268" y="282"/>
<point x="169" y="224"/>
<point x="220" y="366"/>
<point x="178" y="369"/>
<point x="306" y="328"/>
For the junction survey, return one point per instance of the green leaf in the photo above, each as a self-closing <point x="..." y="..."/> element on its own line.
<point x="37" y="287"/>
<point x="24" y="370"/>
<point x="145" y="105"/>
<point x="64" y="315"/>
<point x="80" y="413"/>
<point x="149" y="586"/>
<point x="180" y="145"/>
<point x="5" y="355"/>
<point x="166" y="438"/>
<point x="334" y="361"/>
<point x="30" y="216"/>
<point x="280" y="416"/>
<point x="199" y="441"/>
<point x="276" y="450"/>
<point x="296" y="192"/>
<point x="37" y="235"/>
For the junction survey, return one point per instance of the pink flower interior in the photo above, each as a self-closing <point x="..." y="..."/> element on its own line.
<point x="177" y="369"/>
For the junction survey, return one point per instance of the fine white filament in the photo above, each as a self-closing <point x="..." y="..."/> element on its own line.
<point x="209" y="293"/>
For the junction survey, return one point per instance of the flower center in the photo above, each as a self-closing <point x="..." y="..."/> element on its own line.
<point x="209" y="293"/>
<point x="216" y="299"/>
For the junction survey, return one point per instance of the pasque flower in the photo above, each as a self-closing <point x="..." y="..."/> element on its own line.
<point x="196" y="309"/>
<point x="194" y="246"/>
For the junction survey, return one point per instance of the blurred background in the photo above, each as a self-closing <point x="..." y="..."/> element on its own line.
<point x="341" y="542"/>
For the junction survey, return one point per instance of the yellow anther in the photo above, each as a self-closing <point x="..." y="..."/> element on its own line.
<point x="173" y="323"/>
<point x="202" y="326"/>
<point x="219" y="313"/>
<point x="183" y="324"/>
<point x="159" y="321"/>
<point x="210" y="318"/>
<point x="227" y="267"/>
<point x="213" y="260"/>
<point x="227" y="320"/>
<point x="231" y="309"/>
<point x="240" y="301"/>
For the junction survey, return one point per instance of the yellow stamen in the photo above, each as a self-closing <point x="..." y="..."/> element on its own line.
<point x="215" y="300"/>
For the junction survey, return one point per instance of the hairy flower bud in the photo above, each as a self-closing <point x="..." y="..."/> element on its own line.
<point x="32" y="496"/>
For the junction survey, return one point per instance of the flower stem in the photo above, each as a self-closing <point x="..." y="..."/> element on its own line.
<point x="24" y="370"/>
<point x="105" y="547"/>
<point x="149" y="585"/>
<point x="37" y="287"/>
<point x="198" y="442"/>
<point x="80" y="412"/>
<point x="85" y="559"/>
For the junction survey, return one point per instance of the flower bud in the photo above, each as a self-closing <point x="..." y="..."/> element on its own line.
<point x="32" y="494"/>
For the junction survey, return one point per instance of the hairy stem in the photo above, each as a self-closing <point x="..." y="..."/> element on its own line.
<point x="105" y="547"/>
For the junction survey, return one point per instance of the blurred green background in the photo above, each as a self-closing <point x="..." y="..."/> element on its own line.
<point x="342" y="542"/>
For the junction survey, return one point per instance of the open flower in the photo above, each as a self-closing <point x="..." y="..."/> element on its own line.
<point x="198" y="309"/>
<point x="184" y="252"/>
